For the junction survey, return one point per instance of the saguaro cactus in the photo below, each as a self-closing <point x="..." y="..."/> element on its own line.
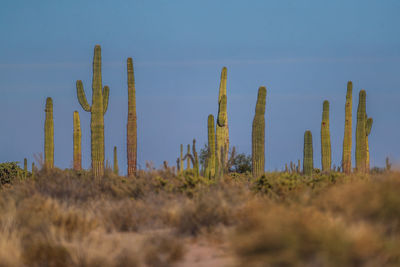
<point x="325" y="139"/>
<point x="132" y="123"/>
<point x="308" y="160"/>
<point x="188" y="159"/>
<point x="98" y="109"/>
<point x="222" y="129"/>
<point x="181" y="159"/>
<point x="25" y="167"/>
<point x="115" y="166"/>
<point x="77" y="142"/>
<point x="196" y="158"/>
<point x="368" y="131"/>
<point x="49" y="135"/>
<point x="211" y="148"/>
<point x="258" y="134"/>
<point x="361" y="134"/>
<point x="348" y="130"/>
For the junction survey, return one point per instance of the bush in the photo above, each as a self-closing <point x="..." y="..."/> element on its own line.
<point x="9" y="171"/>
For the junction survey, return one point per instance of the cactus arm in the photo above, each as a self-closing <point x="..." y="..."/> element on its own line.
<point x="81" y="96"/>
<point x="369" y="126"/>
<point x="106" y="94"/>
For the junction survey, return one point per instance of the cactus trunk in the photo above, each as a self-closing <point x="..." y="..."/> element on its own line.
<point x="77" y="142"/>
<point x="258" y="134"/>
<point x="196" y="159"/>
<point x="361" y="134"/>
<point x="181" y="159"/>
<point x="99" y="107"/>
<point x="25" y="167"/>
<point x="347" y="141"/>
<point x="49" y="135"/>
<point x="211" y="148"/>
<point x="325" y="139"/>
<point x="222" y="129"/>
<point x="368" y="131"/>
<point x="308" y="160"/>
<point x="188" y="159"/>
<point x="115" y="166"/>
<point x="132" y="123"/>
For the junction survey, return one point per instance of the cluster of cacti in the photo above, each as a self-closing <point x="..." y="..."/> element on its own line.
<point x="364" y="125"/>
<point x="49" y="135"/>
<point x="222" y="129"/>
<point x="348" y="126"/>
<point x="98" y="109"/>
<point x="325" y="139"/>
<point x="258" y="134"/>
<point x="308" y="159"/>
<point x="77" y="136"/>
<point x="132" y="124"/>
<point x="115" y="166"/>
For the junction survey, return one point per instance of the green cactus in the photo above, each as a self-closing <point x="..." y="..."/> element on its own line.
<point x="196" y="159"/>
<point x="77" y="136"/>
<point x="115" y="167"/>
<point x="368" y="131"/>
<point x="132" y="121"/>
<point x="361" y="134"/>
<point x="188" y="159"/>
<point x="308" y="160"/>
<point x="25" y="167"/>
<point x="181" y="160"/>
<point x="99" y="106"/>
<point x="222" y="129"/>
<point x="33" y="170"/>
<point x="49" y="135"/>
<point x="211" y="159"/>
<point x="347" y="141"/>
<point x="258" y="134"/>
<point x="325" y="139"/>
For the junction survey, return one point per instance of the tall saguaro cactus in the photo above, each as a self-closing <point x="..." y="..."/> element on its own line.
<point x="49" y="135"/>
<point x="258" y="134"/>
<point x="132" y="123"/>
<point x="188" y="159"/>
<point x="325" y="139"/>
<point x="308" y="160"/>
<point x="222" y="129"/>
<point x="361" y="134"/>
<point x="211" y="167"/>
<point x="77" y="142"/>
<point x="98" y="109"/>
<point x="348" y="130"/>
<point x="196" y="158"/>
<point x="181" y="159"/>
<point x="115" y="166"/>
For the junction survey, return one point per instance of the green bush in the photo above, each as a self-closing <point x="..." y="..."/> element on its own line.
<point x="9" y="171"/>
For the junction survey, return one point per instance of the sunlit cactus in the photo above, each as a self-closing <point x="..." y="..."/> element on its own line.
<point x="33" y="170"/>
<point x="222" y="129"/>
<point x="211" y="167"/>
<point x="348" y="130"/>
<point x="188" y="159"/>
<point x="25" y="167"/>
<point x="115" y="166"/>
<point x="308" y="160"/>
<point x="361" y="134"/>
<point x="77" y="136"/>
<point x="181" y="159"/>
<point x="325" y="139"/>
<point x="49" y="135"/>
<point x="99" y="106"/>
<point x="368" y="131"/>
<point x="258" y="134"/>
<point x="196" y="159"/>
<point x="132" y="123"/>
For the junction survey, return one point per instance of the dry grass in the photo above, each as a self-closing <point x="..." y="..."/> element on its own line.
<point x="65" y="218"/>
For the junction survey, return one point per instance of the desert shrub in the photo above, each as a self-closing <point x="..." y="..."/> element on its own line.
<point x="162" y="250"/>
<point x="9" y="171"/>
<point x="282" y="235"/>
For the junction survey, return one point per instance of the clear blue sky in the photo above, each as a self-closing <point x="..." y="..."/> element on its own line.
<point x="303" y="51"/>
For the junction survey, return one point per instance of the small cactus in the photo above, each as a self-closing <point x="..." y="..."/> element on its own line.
<point x="258" y="134"/>
<point x="49" y="135"/>
<point x="97" y="110"/>
<point x="325" y="139"/>
<point x="25" y="167"/>
<point x="196" y="158"/>
<point x="132" y="121"/>
<point x="368" y="131"/>
<point x="115" y="167"/>
<point x="188" y="159"/>
<point x="211" y="161"/>
<point x="181" y="159"/>
<point x="77" y="142"/>
<point x="347" y="141"/>
<point x="308" y="160"/>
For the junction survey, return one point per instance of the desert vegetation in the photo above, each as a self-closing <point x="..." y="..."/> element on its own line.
<point x="223" y="209"/>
